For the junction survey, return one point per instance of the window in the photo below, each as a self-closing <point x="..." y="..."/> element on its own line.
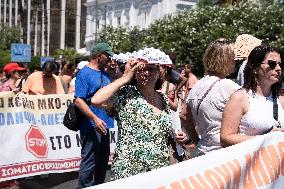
<point x="119" y="21"/>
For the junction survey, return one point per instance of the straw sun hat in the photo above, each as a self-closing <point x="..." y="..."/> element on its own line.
<point x="244" y="45"/>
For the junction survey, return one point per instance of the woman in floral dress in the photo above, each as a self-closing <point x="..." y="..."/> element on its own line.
<point x="144" y="121"/>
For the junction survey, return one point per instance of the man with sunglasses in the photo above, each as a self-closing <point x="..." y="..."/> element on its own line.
<point x="94" y="128"/>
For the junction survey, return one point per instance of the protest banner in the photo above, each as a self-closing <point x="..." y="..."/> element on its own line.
<point x="33" y="139"/>
<point x="256" y="163"/>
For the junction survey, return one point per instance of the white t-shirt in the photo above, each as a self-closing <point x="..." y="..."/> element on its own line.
<point x="208" y="120"/>
<point x="259" y="118"/>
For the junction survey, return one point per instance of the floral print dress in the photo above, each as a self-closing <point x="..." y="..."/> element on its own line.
<point x="142" y="134"/>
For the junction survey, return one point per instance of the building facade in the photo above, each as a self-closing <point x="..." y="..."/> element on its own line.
<point x="128" y="13"/>
<point x="46" y="25"/>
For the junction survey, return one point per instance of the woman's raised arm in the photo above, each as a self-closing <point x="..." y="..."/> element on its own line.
<point x="102" y="97"/>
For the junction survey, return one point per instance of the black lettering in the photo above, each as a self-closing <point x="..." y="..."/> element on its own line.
<point x="68" y="102"/>
<point x="67" y="141"/>
<point x="1" y="103"/>
<point x="57" y="103"/>
<point x="25" y="102"/>
<point x="112" y="137"/>
<point x="50" y="103"/>
<point x="19" y="117"/>
<point x="32" y="104"/>
<point x="10" y="102"/>
<point x="52" y="143"/>
<point x="18" y="101"/>
<point x="78" y="140"/>
<point x="59" y="141"/>
<point x="41" y="104"/>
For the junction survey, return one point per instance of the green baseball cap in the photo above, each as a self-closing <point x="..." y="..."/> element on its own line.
<point x="102" y="48"/>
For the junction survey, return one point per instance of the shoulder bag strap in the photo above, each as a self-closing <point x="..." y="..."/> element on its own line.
<point x="205" y="94"/>
<point x="275" y="110"/>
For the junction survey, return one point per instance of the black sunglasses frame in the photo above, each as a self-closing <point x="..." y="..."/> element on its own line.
<point x="272" y="64"/>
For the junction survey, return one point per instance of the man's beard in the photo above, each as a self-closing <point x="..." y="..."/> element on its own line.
<point x="102" y="64"/>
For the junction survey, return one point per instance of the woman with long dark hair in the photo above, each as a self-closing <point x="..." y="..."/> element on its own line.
<point x="256" y="109"/>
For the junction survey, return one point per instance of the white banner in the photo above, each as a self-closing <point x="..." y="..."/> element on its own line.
<point x="33" y="139"/>
<point x="257" y="163"/>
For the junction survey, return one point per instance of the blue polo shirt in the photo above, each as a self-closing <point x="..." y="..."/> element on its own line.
<point x="88" y="82"/>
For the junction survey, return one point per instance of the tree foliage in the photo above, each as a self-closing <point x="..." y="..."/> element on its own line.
<point x="188" y="33"/>
<point x="67" y="54"/>
<point x="121" y="39"/>
<point x="8" y="35"/>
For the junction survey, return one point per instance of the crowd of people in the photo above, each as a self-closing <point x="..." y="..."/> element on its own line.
<point x="164" y="115"/>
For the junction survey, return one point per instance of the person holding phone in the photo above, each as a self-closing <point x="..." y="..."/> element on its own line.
<point x="257" y="108"/>
<point x="144" y="120"/>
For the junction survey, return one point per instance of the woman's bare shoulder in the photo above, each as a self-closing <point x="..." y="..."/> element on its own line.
<point x="239" y="95"/>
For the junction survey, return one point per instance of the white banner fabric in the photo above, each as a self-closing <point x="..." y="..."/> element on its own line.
<point x="33" y="139"/>
<point x="256" y="163"/>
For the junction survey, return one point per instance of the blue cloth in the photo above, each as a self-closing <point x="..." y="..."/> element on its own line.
<point x="95" y="147"/>
<point x="88" y="82"/>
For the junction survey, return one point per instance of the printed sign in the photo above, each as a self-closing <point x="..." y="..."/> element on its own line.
<point x="36" y="142"/>
<point x="31" y="127"/>
<point x="20" y="52"/>
<point x="43" y="60"/>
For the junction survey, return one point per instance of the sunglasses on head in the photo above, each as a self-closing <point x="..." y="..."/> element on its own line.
<point x="272" y="64"/>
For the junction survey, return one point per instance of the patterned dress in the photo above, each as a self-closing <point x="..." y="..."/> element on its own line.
<point x="142" y="134"/>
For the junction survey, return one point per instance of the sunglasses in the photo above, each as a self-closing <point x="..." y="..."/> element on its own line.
<point x="272" y="64"/>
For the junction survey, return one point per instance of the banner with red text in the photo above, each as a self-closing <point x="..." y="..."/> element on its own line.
<point x="33" y="139"/>
<point x="257" y="163"/>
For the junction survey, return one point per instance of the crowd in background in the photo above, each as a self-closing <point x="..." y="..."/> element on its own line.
<point x="164" y="114"/>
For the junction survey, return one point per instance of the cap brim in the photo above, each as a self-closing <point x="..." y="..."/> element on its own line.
<point x="110" y="53"/>
<point x="20" y="69"/>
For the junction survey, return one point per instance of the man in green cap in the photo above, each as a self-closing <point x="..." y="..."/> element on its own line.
<point x="94" y="128"/>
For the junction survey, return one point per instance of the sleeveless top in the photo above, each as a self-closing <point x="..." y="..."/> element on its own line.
<point x="259" y="118"/>
<point x="209" y="118"/>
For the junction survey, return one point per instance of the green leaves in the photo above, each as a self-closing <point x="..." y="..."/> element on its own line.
<point x="188" y="33"/>
<point x="68" y="54"/>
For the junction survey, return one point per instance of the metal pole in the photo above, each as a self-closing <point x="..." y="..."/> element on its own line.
<point x="10" y="13"/>
<point x="0" y="13"/>
<point x="62" y="30"/>
<point x="42" y="30"/>
<point x="48" y="26"/>
<point x="29" y="23"/>
<point x="78" y="22"/>
<point x="35" y="40"/>
<point x="5" y="12"/>
<point x="96" y="20"/>
<point x="16" y="12"/>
